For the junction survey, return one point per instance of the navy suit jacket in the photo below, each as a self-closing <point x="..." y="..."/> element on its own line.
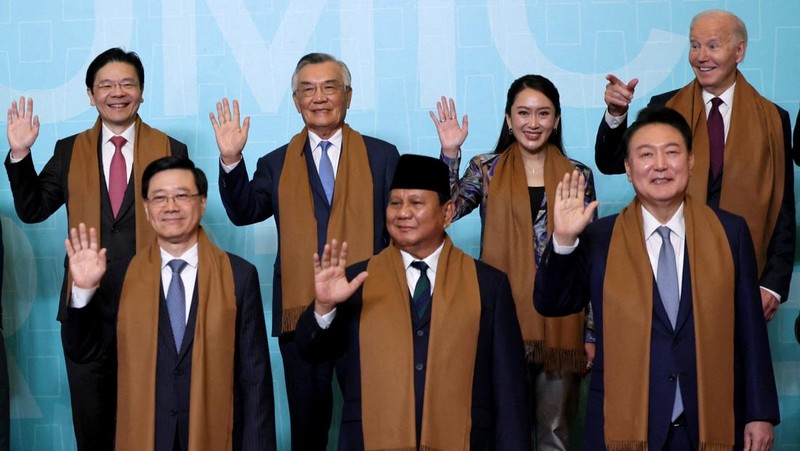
<point x="251" y="201"/>
<point x="253" y="417"/>
<point x="777" y="273"/>
<point x="566" y="283"/>
<point x="796" y="145"/>
<point x="499" y="401"/>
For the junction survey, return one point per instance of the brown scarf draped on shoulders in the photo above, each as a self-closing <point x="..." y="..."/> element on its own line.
<point x="628" y="315"/>
<point x="387" y="354"/>
<point x="557" y="343"/>
<point x="213" y="345"/>
<point x="753" y="168"/>
<point x="351" y="218"/>
<point x="83" y="202"/>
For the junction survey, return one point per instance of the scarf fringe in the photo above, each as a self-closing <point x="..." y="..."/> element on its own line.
<point x="289" y="319"/>
<point x="428" y="448"/>
<point x="568" y="360"/>
<point x="715" y="447"/>
<point x="627" y="446"/>
<point x="409" y="448"/>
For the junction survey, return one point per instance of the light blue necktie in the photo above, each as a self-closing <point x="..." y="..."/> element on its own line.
<point x="667" y="280"/>
<point x="326" y="171"/>
<point x="176" y="302"/>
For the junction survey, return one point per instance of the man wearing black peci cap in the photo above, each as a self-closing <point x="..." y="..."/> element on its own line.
<point x="427" y="326"/>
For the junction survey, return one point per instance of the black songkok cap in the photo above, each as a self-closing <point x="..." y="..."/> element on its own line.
<point x="421" y="172"/>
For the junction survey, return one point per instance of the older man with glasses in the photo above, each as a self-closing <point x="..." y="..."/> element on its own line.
<point x="330" y="181"/>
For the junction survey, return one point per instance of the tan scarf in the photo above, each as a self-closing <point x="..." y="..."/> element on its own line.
<point x="211" y="396"/>
<point x="753" y="167"/>
<point x="351" y="218"/>
<point x="387" y="354"/>
<point x="83" y="202"/>
<point x="628" y="316"/>
<point x="557" y="343"/>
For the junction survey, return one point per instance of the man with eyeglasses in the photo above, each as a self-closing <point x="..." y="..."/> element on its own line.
<point x="93" y="173"/>
<point x="194" y="367"/>
<point x="329" y="181"/>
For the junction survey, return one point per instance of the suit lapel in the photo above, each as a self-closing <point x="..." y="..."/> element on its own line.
<point x="685" y="307"/>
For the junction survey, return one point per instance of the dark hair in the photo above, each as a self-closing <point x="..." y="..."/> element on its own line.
<point x="422" y="172"/>
<point x="167" y="163"/>
<point x="537" y="83"/>
<point x="319" y="58"/>
<point x="658" y="115"/>
<point x="111" y="55"/>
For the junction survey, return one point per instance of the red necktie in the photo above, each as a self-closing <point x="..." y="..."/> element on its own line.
<point x="716" y="137"/>
<point x="117" y="175"/>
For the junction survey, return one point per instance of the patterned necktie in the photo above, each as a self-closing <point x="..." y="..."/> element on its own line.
<point x="422" y="291"/>
<point x="326" y="171"/>
<point x="117" y="175"/>
<point x="176" y="302"/>
<point x="667" y="280"/>
<point x="716" y="137"/>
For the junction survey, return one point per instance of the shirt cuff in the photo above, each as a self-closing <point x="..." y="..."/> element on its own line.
<point x="81" y="296"/>
<point x="324" y="321"/>
<point x="777" y="296"/>
<point x="13" y="160"/>
<point x="614" y="121"/>
<point x="564" y="250"/>
<point x="228" y="168"/>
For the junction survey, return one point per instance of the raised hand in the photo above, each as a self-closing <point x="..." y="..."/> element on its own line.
<point x="230" y="136"/>
<point x="87" y="264"/>
<point x="570" y="215"/>
<point x="330" y="283"/>
<point x="619" y="95"/>
<point x="451" y="135"/>
<point x="23" y="127"/>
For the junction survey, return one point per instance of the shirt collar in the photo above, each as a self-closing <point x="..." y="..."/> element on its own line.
<point x="676" y="223"/>
<point x="727" y="96"/>
<point x="432" y="260"/>
<point x="335" y="139"/>
<point x="129" y="134"/>
<point x="191" y="257"/>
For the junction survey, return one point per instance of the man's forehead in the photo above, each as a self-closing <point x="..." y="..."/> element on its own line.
<point x="326" y="71"/>
<point x="172" y="179"/>
<point x="409" y="192"/>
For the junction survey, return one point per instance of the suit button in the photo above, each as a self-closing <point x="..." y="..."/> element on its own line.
<point x="178" y="371"/>
<point x="418" y="367"/>
<point x="114" y="230"/>
<point x="671" y="378"/>
<point x="173" y="412"/>
<point x="420" y="333"/>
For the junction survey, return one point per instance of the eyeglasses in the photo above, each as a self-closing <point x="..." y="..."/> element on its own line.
<point x="180" y="199"/>
<point x="108" y="86"/>
<point x="328" y="89"/>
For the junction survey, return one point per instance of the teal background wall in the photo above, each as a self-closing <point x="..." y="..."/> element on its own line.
<point x="403" y="55"/>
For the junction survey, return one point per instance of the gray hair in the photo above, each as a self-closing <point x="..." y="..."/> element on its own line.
<point x="318" y="58"/>
<point x="739" y="29"/>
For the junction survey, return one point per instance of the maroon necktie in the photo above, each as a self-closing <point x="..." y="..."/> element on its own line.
<point x="117" y="175"/>
<point x="716" y="137"/>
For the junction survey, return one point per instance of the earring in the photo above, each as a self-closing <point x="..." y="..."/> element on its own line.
<point x="510" y="132"/>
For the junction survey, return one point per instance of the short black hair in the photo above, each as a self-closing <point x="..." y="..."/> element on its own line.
<point x="167" y="163"/>
<point x="111" y="55"/>
<point x="658" y="114"/>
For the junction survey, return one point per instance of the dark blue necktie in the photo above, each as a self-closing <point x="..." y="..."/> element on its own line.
<point x="667" y="280"/>
<point x="421" y="298"/>
<point x="176" y="302"/>
<point x="326" y="171"/>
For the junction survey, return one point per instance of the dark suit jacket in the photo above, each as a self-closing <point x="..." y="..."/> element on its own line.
<point x="777" y="274"/>
<point x="254" y="418"/>
<point x="566" y="283"/>
<point x="499" y="401"/>
<point x="250" y="201"/>
<point x="796" y="145"/>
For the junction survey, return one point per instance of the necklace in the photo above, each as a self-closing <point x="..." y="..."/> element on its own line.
<point x="532" y="170"/>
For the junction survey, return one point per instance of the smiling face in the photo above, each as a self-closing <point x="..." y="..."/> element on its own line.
<point x="176" y="222"/>
<point x="714" y="51"/>
<point x="322" y="98"/>
<point x="659" y="166"/>
<point x="416" y="220"/>
<point x="117" y="94"/>
<point x="532" y="119"/>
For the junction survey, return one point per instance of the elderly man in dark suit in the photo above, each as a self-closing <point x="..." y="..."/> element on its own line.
<point x="328" y="181"/>
<point x="94" y="173"/>
<point x="194" y="369"/>
<point x="683" y="359"/>
<point x="742" y="145"/>
<point x="429" y="347"/>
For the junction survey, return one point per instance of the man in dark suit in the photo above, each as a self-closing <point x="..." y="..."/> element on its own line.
<point x="448" y="319"/>
<point x="683" y="359"/>
<point x="5" y="410"/>
<point x="190" y="323"/>
<point x="328" y="181"/>
<point x="751" y="174"/>
<point x="93" y="173"/>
